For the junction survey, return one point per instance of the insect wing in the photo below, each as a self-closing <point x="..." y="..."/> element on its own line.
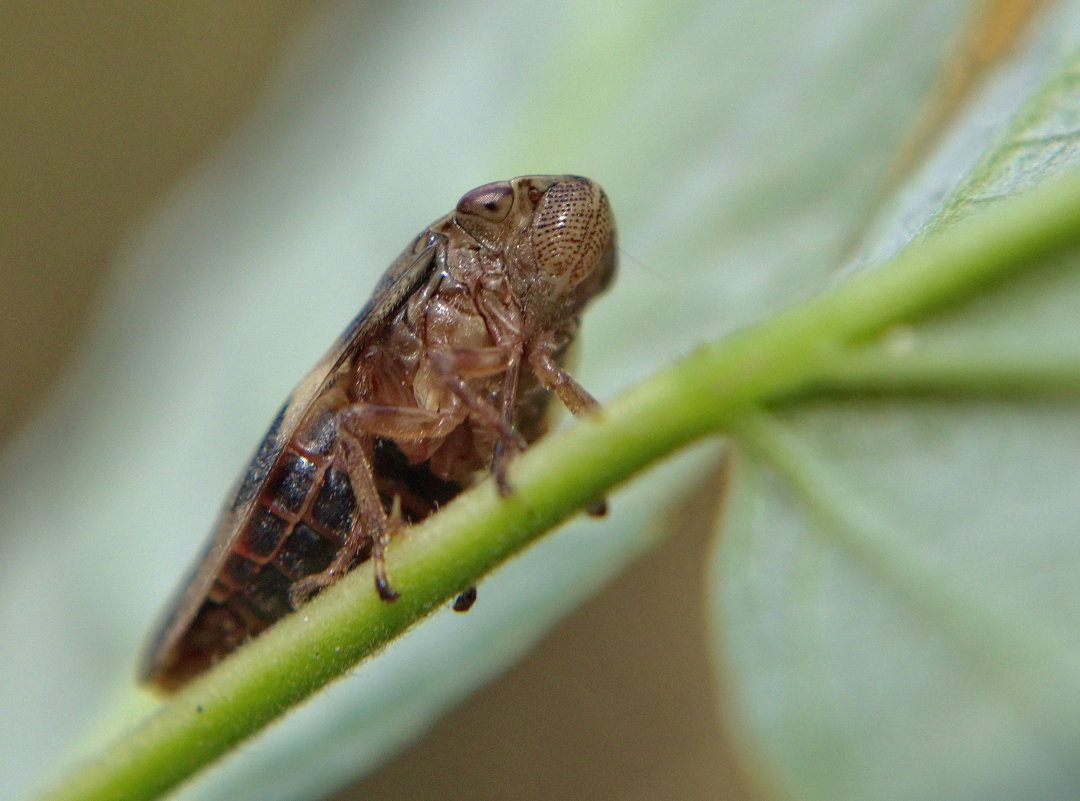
<point x="402" y="278"/>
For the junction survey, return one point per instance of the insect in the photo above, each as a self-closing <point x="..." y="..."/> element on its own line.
<point x="441" y="378"/>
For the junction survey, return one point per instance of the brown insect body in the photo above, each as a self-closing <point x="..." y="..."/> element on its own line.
<point x="441" y="377"/>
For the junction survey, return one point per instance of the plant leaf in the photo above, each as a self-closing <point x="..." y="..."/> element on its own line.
<point x="894" y="595"/>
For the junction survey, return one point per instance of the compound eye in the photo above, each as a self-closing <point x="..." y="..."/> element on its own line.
<point x="490" y="202"/>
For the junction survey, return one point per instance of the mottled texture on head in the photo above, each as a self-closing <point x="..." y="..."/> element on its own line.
<point x="556" y="232"/>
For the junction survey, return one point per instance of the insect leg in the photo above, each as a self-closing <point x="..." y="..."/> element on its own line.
<point x="465" y="601"/>
<point x="554" y="378"/>
<point x="403" y="424"/>
<point x="575" y="397"/>
<point x="451" y="365"/>
<point x="505" y="448"/>
<point x="369" y="520"/>
<point x="398" y="422"/>
<point x="503" y="315"/>
<point x="369" y="506"/>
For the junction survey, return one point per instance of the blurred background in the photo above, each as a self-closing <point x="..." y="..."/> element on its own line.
<point x="104" y="110"/>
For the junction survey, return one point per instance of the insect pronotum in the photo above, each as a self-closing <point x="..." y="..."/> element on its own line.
<point x="443" y="376"/>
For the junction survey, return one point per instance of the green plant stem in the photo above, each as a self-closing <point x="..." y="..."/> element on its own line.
<point x="780" y="360"/>
<point x="874" y="369"/>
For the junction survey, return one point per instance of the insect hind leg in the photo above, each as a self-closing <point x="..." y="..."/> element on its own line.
<point x="369" y="521"/>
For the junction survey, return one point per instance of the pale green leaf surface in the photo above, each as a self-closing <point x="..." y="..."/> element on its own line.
<point x="895" y="588"/>
<point x="738" y="142"/>
<point x="888" y="644"/>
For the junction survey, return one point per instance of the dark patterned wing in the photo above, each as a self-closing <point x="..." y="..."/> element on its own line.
<point x="403" y="278"/>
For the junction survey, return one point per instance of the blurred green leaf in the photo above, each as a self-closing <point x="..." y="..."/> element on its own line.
<point x="894" y="592"/>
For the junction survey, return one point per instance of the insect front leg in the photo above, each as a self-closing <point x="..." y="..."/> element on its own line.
<point x="453" y="366"/>
<point x="408" y="423"/>
<point x="576" y="398"/>
<point x="505" y="449"/>
<point x="549" y="372"/>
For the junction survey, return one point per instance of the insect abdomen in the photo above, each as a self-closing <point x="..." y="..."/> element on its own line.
<point x="299" y="521"/>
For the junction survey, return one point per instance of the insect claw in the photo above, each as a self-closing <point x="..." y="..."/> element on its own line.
<point x="597" y="508"/>
<point x="382" y="581"/>
<point x="464" y="602"/>
<point x="499" y="462"/>
<point x="382" y="586"/>
<point x="502" y="483"/>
